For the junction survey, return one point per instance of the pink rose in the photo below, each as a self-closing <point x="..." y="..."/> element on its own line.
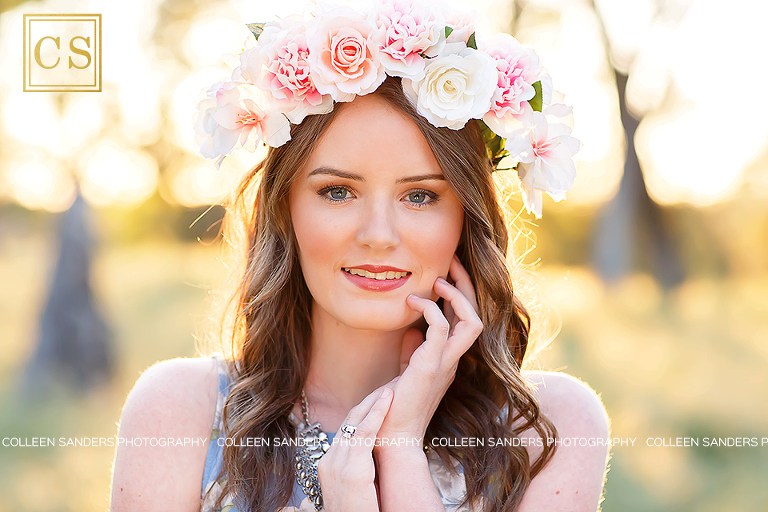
<point x="280" y="64"/>
<point x="518" y="69"/>
<point x="343" y="55"/>
<point x="407" y="29"/>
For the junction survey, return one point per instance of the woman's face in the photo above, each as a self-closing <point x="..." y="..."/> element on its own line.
<point x="372" y="193"/>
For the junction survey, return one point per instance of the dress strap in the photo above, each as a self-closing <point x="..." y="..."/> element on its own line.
<point x="213" y="459"/>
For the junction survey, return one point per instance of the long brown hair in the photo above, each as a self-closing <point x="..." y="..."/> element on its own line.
<point x="266" y="317"/>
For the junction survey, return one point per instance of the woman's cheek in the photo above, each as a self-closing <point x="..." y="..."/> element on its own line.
<point x="320" y="239"/>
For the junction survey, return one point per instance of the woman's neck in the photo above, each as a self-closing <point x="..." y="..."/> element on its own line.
<point x="346" y="365"/>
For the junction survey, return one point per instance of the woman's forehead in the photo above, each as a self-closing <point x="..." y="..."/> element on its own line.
<point x="370" y="134"/>
<point x="325" y="170"/>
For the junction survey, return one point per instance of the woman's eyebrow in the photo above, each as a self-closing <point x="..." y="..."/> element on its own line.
<point x="344" y="174"/>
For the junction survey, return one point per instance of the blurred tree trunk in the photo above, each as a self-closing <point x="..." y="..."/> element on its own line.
<point x="74" y="341"/>
<point x="632" y="213"/>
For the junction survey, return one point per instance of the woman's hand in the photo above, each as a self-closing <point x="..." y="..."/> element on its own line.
<point x="428" y="367"/>
<point x="346" y="472"/>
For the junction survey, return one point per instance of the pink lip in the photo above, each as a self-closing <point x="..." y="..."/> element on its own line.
<point x="375" y="285"/>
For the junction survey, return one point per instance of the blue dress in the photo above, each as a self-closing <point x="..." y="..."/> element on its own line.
<point x="451" y="488"/>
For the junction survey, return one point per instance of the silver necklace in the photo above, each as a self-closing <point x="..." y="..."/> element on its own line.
<point x="312" y="445"/>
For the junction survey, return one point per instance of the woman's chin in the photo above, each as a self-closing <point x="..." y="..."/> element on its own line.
<point x="380" y="318"/>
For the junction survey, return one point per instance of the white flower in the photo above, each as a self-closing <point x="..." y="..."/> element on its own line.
<point x="211" y="141"/>
<point x="545" y="150"/>
<point x="237" y="115"/>
<point x="454" y="89"/>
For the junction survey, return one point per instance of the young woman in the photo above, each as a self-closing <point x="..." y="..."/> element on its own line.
<point x="374" y="319"/>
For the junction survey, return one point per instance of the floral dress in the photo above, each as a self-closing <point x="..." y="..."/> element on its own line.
<point x="451" y="489"/>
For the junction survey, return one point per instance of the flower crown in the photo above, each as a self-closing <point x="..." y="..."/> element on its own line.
<point x="302" y="64"/>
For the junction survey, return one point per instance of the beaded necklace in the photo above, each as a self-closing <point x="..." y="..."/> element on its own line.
<point x="312" y="445"/>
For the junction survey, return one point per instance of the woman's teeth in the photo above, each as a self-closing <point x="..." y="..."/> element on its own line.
<point x="379" y="276"/>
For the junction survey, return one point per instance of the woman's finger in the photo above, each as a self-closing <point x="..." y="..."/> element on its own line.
<point x="449" y="314"/>
<point x="358" y="412"/>
<point x="366" y="428"/>
<point x="369" y="427"/>
<point x="469" y="326"/>
<point x="463" y="281"/>
<point x="437" y="332"/>
<point x="412" y="340"/>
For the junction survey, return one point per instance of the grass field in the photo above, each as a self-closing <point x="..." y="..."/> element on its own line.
<point x="688" y="363"/>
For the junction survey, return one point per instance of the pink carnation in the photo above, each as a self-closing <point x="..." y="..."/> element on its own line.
<point x="343" y="56"/>
<point x="518" y="69"/>
<point x="406" y="30"/>
<point x="280" y="64"/>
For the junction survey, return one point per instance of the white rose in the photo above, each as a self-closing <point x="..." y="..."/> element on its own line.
<point x="454" y="89"/>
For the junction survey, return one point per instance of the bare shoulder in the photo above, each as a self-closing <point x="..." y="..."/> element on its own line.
<point x="171" y="400"/>
<point x="564" y="397"/>
<point x="574" y="477"/>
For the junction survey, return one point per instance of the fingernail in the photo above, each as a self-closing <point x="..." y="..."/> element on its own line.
<point x="386" y="393"/>
<point x="442" y="280"/>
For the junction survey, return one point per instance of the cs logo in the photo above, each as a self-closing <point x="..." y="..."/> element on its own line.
<point x="62" y="52"/>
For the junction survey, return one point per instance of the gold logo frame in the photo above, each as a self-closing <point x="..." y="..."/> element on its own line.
<point x="95" y="86"/>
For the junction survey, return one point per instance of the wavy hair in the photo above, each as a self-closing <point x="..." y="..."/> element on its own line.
<point x="265" y="315"/>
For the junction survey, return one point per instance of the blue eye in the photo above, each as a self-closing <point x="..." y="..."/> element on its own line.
<point x="338" y="195"/>
<point x="337" y="189"/>
<point x="422" y="194"/>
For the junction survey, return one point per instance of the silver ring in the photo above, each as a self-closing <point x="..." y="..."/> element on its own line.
<point x="348" y="430"/>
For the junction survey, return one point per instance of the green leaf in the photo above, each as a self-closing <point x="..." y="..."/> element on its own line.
<point x="471" y="42"/>
<point x="494" y="144"/>
<point x="256" y="29"/>
<point x="538" y="98"/>
<point x="448" y="31"/>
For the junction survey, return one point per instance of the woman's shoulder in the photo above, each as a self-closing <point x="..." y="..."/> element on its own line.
<point x="564" y="396"/>
<point x="165" y="429"/>
<point x="577" y="469"/>
<point x="184" y="389"/>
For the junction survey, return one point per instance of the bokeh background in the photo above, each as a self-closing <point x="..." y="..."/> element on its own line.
<point x="654" y="272"/>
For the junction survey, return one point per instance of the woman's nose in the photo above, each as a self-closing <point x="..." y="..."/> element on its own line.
<point x="378" y="225"/>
